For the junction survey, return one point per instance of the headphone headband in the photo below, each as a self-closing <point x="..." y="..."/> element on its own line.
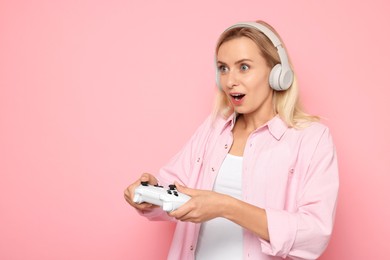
<point x="270" y="35"/>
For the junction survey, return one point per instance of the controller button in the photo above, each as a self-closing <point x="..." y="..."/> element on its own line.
<point x="172" y="187"/>
<point x="169" y="191"/>
<point x="144" y="183"/>
<point x="175" y="193"/>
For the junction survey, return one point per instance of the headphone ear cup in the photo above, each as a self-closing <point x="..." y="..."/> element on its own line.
<point x="286" y="79"/>
<point x="274" y="77"/>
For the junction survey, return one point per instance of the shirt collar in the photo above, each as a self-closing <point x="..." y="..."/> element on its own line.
<point x="276" y="126"/>
<point x="230" y="121"/>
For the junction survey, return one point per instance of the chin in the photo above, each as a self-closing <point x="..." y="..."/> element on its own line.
<point x="240" y="110"/>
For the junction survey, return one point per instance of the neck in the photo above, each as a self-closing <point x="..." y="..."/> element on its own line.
<point x="250" y="122"/>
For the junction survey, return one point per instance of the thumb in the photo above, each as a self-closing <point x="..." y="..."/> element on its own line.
<point x="149" y="178"/>
<point x="183" y="189"/>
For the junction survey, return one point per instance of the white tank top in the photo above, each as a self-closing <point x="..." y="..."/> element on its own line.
<point x="220" y="238"/>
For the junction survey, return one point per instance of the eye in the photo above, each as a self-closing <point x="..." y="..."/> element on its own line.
<point x="223" y="69"/>
<point x="244" y="67"/>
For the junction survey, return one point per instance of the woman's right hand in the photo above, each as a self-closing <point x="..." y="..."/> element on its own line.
<point x="129" y="192"/>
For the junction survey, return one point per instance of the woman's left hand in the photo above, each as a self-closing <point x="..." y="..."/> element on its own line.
<point x="203" y="205"/>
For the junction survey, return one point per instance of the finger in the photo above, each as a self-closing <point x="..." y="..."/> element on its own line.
<point x="186" y="214"/>
<point x="187" y="217"/>
<point x="177" y="214"/>
<point x="129" y="200"/>
<point x="129" y="191"/>
<point x="180" y="212"/>
<point x="145" y="206"/>
<point x="128" y="194"/>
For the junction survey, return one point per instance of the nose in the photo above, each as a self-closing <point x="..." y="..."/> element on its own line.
<point x="231" y="79"/>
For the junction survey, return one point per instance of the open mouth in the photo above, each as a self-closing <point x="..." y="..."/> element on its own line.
<point x="237" y="96"/>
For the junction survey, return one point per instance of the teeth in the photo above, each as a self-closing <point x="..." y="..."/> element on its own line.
<point x="237" y="96"/>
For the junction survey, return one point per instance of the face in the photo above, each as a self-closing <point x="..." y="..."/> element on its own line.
<point x="244" y="77"/>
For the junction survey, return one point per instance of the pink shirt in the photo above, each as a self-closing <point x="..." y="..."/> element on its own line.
<point x="291" y="173"/>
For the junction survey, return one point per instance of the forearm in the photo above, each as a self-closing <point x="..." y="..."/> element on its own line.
<point x="247" y="216"/>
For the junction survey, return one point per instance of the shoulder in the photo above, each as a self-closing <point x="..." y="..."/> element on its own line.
<point x="314" y="134"/>
<point x="314" y="128"/>
<point x="311" y="129"/>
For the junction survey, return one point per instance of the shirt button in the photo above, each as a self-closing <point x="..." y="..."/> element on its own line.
<point x="191" y="248"/>
<point x="226" y="146"/>
<point x="198" y="160"/>
<point x="213" y="169"/>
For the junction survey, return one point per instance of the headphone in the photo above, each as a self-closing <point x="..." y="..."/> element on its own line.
<point x="281" y="76"/>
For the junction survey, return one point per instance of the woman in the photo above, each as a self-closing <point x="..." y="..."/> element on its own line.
<point x="262" y="174"/>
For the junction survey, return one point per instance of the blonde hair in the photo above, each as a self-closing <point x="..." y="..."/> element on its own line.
<point x="286" y="103"/>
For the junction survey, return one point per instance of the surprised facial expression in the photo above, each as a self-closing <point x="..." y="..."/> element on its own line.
<point x="244" y="76"/>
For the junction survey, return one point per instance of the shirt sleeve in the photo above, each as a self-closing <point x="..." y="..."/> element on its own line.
<point x="305" y="234"/>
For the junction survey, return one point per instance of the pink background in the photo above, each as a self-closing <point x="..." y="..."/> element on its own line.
<point x="93" y="93"/>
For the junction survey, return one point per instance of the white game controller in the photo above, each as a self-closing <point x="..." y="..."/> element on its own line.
<point x="169" y="199"/>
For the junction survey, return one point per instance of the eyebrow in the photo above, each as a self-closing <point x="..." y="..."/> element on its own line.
<point x="237" y="62"/>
